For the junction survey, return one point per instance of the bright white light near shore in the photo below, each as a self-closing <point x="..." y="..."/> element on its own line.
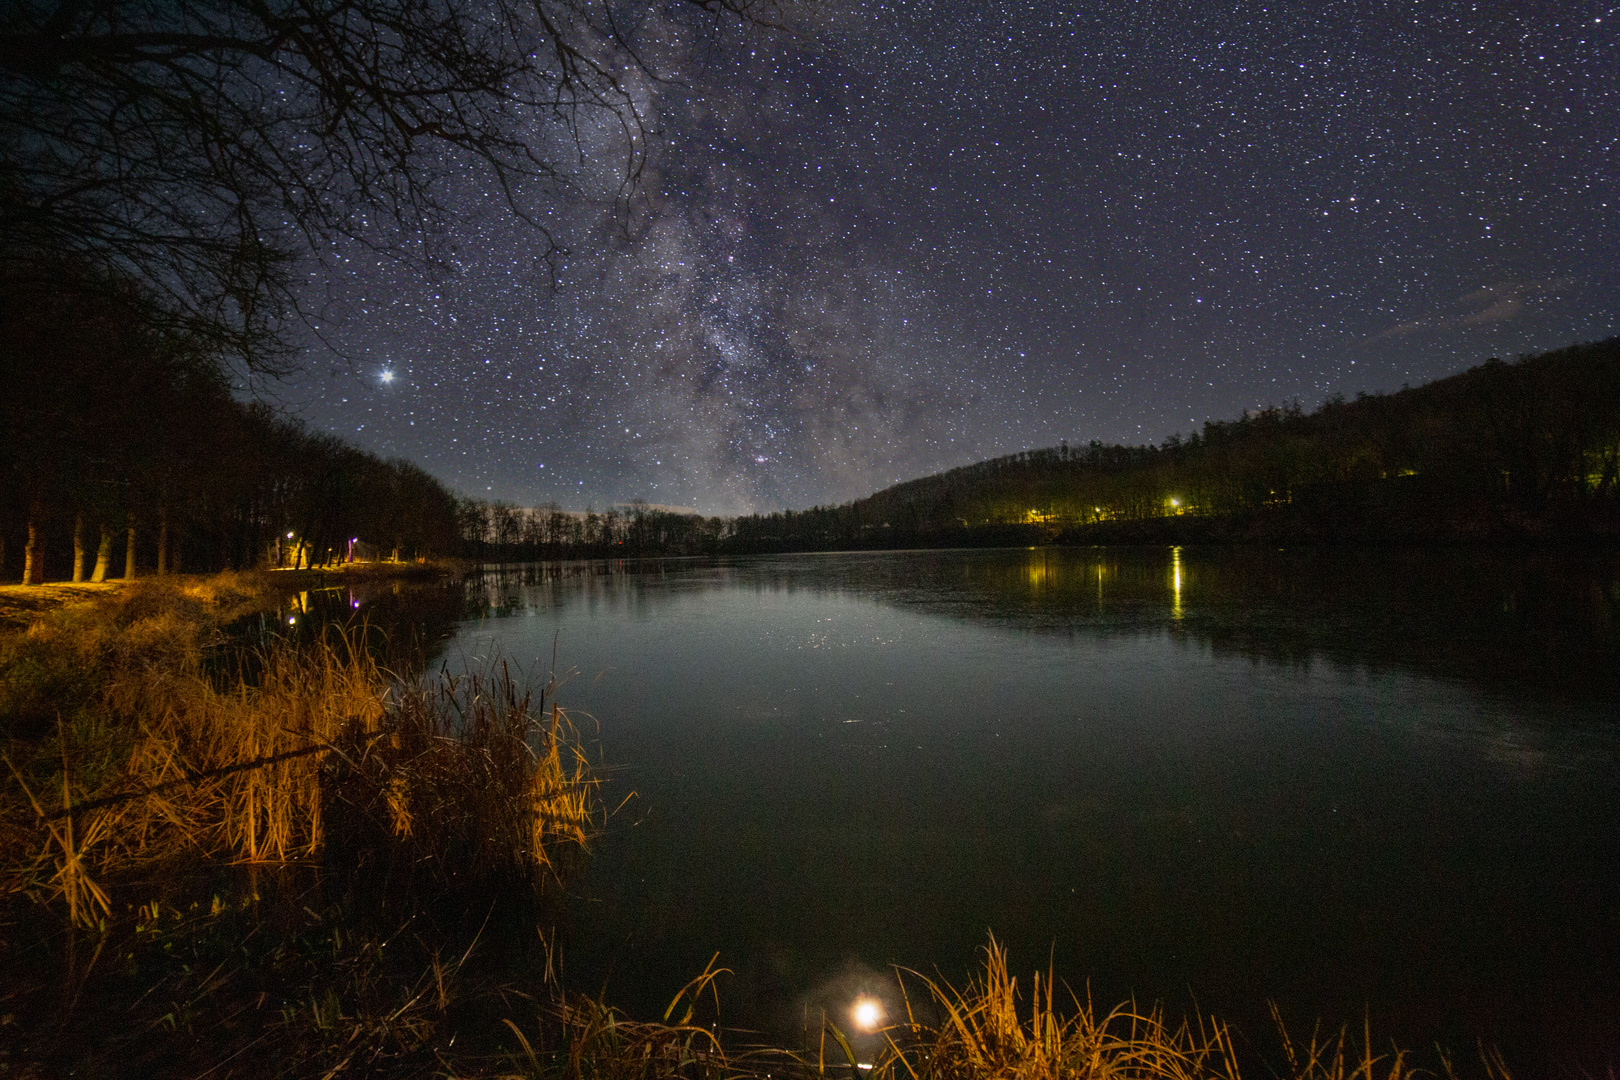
<point x="868" y="1013"/>
<point x="386" y="376"/>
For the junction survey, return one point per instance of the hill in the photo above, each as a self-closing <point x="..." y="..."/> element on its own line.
<point x="1521" y="450"/>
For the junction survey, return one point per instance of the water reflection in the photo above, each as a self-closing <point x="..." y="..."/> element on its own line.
<point x="404" y="623"/>
<point x="1175" y="582"/>
<point x="1523" y="623"/>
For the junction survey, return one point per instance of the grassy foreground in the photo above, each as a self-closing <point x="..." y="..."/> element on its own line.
<point x="276" y="858"/>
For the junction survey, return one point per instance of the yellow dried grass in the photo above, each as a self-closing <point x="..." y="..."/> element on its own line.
<point x="190" y="769"/>
<point x="981" y="1033"/>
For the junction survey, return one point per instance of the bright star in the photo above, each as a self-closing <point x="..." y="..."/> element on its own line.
<point x="387" y="376"/>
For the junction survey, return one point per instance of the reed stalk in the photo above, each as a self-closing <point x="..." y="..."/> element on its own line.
<point x="470" y="774"/>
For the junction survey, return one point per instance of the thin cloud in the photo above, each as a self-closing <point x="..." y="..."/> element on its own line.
<point x="1497" y="302"/>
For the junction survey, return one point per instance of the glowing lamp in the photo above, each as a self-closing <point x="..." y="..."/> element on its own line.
<point x="867" y="1013"/>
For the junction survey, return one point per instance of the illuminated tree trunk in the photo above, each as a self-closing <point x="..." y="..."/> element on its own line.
<point x="78" y="547"/>
<point x="129" y="552"/>
<point x="163" y="541"/>
<point x="103" y="555"/>
<point x="34" y="553"/>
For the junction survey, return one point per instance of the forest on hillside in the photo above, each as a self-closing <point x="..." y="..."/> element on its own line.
<point x="123" y="451"/>
<point x="1527" y="449"/>
<point x="1523" y="450"/>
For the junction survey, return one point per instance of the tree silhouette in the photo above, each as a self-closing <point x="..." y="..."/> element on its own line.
<point x="202" y="146"/>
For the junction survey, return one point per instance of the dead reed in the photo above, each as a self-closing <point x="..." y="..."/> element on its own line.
<point x="984" y="1032"/>
<point x="161" y="763"/>
<point x="586" y="1039"/>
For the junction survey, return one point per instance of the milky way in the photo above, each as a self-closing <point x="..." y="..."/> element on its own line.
<point x="909" y="237"/>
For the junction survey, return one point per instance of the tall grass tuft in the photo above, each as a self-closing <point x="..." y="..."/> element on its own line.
<point x="470" y="779"/>
<point x="586" y="1039"/>
<point x="984" y="1032"/>
<point x="320" y="756"/>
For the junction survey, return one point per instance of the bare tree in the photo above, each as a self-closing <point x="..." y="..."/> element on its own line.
<point x="203" y="146"/>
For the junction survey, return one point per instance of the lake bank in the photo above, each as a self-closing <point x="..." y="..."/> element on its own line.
<point x="275" y="809"/>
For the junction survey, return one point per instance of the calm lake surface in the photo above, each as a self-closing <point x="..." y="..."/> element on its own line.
<point x="1381" y="783"/>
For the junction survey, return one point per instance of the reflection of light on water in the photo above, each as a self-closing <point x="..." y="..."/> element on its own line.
<point x="867" y="1013"/>
<point x="1175" y="580"/>
<point x="1037" y="573"/>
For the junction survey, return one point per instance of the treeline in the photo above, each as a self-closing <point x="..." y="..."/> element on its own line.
<point x="498" y="531"/>
<point x="123" y="451"/>
<point x="1524" y="449"/>
<point x="1528" y="449"/>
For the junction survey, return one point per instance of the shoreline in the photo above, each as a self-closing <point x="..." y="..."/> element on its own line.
<point x="21" y="605"/>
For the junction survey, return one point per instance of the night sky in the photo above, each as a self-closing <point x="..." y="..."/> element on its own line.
<point x="914" y="236"/>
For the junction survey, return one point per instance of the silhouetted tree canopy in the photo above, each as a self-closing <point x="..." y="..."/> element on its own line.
<point x="115" y="426"/>
<point x="1526" y="449"/>
<point x="202" y="146"/>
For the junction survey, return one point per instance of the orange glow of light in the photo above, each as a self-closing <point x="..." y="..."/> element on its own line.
<point x="867" y="1013"/>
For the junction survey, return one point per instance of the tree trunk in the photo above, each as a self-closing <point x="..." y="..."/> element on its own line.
<point x="163" y="541"/>
<point x="78" y="547"/>
<point x="129" y="552"/>
<point x="34" y="553"/>
<point x="103" y="555"/>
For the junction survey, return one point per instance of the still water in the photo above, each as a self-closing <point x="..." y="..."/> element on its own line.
<point x="1381" y="784"/>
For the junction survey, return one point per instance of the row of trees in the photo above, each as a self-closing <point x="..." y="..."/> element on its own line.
<point x="122" y="450"/>
<point x="1524" y="448"/>
<point x="1531" y="447"/>
<point x="501" y="531"/>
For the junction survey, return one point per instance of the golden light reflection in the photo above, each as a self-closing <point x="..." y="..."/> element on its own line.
<point x="867" y="1013"/>
<point x="1037" y="574"/>
<point x="1175" y="582"/>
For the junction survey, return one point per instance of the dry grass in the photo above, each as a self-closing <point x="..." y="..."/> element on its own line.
<point x="162" y="762"/>
<point x="585" y="1039"/>
<point x="984" y="1032"/>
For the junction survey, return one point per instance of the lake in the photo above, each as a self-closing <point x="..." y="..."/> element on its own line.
<point x="1380" y="783"/>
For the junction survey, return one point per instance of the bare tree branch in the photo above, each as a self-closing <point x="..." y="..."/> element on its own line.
<point x="205" y="146"/>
